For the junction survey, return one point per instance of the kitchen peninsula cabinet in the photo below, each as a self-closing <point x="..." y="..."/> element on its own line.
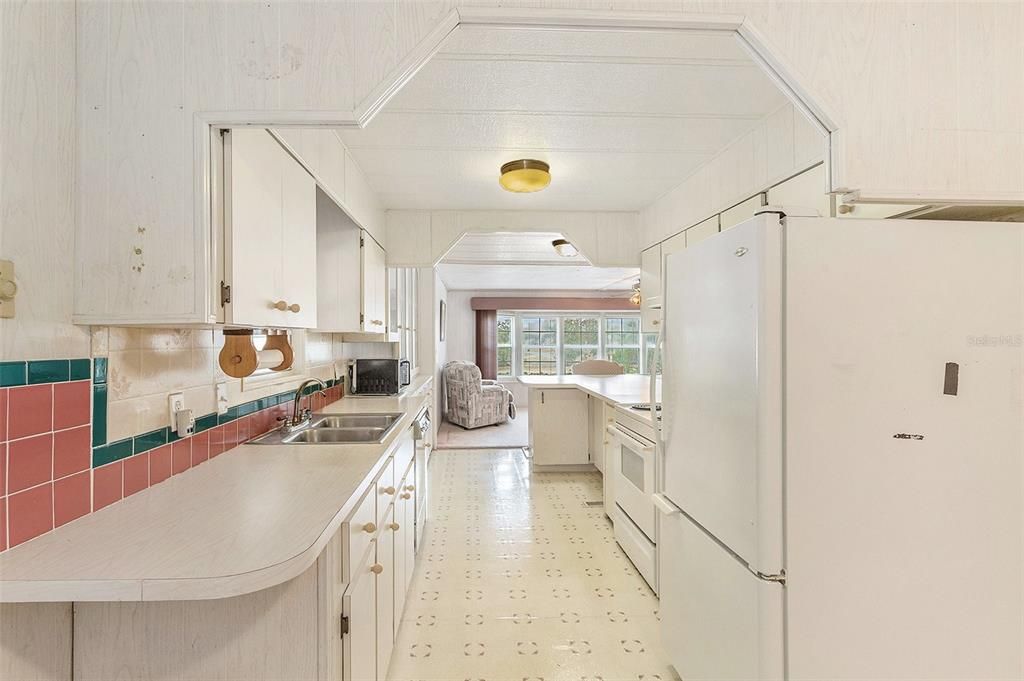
<point x="268" y="562"/>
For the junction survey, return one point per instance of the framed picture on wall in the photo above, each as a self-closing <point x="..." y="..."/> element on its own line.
<point x="443" y="323"/>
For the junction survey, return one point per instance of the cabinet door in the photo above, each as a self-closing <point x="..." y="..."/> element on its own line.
<point x="253" y="227"/>
<point x="595" y="407"/>
<point x="701" y="231"/>
<point x="374" y="273"/>
<point x="741" y="212"/>
<point x="610" y="449"/>
<point x="360" y="606"/>
<point x="385" y="596"/>
<point x="404" y="530"/>
<point x="650" y="289"/>
<point x="271" y="233"/>
<point x="806" y="191"/>
<point x="555" y="435"/>
<point x="298" y="255"/>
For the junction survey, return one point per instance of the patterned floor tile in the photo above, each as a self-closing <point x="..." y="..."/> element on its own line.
<point x="520" y="579"/>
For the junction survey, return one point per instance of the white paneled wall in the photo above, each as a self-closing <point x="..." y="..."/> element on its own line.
<point x="37" y="181"/>
<point x="784" y="144"/>
<point x="421" y="238"/>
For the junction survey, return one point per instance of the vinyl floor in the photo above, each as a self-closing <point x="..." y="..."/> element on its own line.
<point x="519" y="579"/>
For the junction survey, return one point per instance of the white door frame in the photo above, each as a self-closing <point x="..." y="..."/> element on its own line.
<point x="772" y="65"/>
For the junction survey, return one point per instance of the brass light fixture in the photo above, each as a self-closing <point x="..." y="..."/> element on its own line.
<point x="564" y="248"/>
<point x="525" y="175"/>
<point x="635" y="298"/>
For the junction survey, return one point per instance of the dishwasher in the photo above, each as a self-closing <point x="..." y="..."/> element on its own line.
<point x="421" y="433"/>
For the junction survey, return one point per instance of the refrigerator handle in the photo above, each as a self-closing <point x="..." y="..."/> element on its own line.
<point x="664" y="505"/>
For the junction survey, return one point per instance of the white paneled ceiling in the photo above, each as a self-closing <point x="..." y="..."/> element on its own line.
<point x="536" y="277"/>
<point x="502" y="261"/>
<point x="622" y="117"/>
<point x="532" y="248"/>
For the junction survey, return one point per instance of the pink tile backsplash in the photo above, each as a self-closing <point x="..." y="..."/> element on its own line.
<point x="200" y="448"/>
<point x="159" y="464"/>
<point x="136" y="473"/>
<point x="46" y="474"/>
<point x="71" y="404"/>
<point x="72" y="498"/>
<point x="29" y="410"/>
<point x="31" y="513"/>
<point x="72" y="451"/>
<point x="181" y="456"/>
<point x="29" y="462"/>
<point x="107" y="484"/>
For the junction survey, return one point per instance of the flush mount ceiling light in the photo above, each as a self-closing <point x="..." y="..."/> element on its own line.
<point x="564" y="248"/>
<point x="525" y="175"/>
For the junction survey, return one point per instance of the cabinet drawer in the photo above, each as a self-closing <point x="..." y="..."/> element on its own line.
<point x="386" y="488"/>
<point x="357" y="533"/>
<point x="404" y="455"/>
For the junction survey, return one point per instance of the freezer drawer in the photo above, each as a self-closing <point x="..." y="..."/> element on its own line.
<point x="718" y="621"/>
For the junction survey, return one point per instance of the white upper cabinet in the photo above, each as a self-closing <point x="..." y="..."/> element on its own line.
<point x="374" y="284"/>
<point x="269" y="234"/>
<point x="351" y="273"/>
<point x="805" y="192"/>
<point x="650" y="289"/>
<point x="337" y="174"/>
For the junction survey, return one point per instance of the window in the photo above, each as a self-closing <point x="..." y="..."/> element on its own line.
<point x="506" y="346"/>
<point x="650" y="342"/>
<point x="581" y="339"/>
<point x="547" y="344"/>
<point x="402" y="310"/>
<point x="622" y="342"/>
<point x="540" y="345"/>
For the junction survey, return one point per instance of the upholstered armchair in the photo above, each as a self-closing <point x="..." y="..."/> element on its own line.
<point x="470" y="401"/>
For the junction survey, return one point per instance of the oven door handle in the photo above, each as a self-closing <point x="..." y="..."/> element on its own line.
<point x="619" y="433"/>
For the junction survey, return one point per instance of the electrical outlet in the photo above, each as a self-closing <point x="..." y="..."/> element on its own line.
<point x="222" y="398"/>
<point x="175" y="403"/>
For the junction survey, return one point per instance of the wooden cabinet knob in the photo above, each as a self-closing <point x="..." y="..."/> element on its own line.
<point x="294" y="307"/>
<point x="388" y="490"/>
<point x="410" y="488"/>
<point x="377" y="569"/>
<point x="406" y="495"/>
<point x="280" y="305"/>
<point x="370" y="528"/>
<point x="393" y="526"/>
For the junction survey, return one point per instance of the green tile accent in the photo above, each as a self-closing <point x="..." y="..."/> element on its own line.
<point x="206" y="422"/>
<point x="150" y="440"/>
<point x="229" y="416"/>
<point x="12" y="373"/>
<point x="99" y="373"/>
<point x="81" y="369"/>
<point x="247" y="408"/>
<point x="115" y="451"/>
<point x="49" y="371"/>
<point x="99" y="415"/>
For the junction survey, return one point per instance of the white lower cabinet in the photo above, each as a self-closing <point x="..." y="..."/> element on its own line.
<point x="556" y="438"/>
<point x="359" y="628"/>
<point x="386" y="586"/>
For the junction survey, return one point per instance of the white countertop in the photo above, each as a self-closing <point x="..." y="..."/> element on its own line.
<point x="249" y="519"/>
<point x="621" y="390"/>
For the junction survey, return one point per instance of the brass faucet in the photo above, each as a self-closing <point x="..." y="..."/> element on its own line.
<point x="300" y="416"/>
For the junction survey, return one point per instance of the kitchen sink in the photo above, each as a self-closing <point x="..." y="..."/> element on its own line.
<point x="354" y="421"/>
<point x="334" y="436"/>
<point x="335" y="429"/>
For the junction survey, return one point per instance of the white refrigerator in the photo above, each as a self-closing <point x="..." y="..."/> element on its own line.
<point x="842" y="457"/>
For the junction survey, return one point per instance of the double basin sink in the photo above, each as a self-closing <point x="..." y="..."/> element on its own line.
<point x="335" y="429"/>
